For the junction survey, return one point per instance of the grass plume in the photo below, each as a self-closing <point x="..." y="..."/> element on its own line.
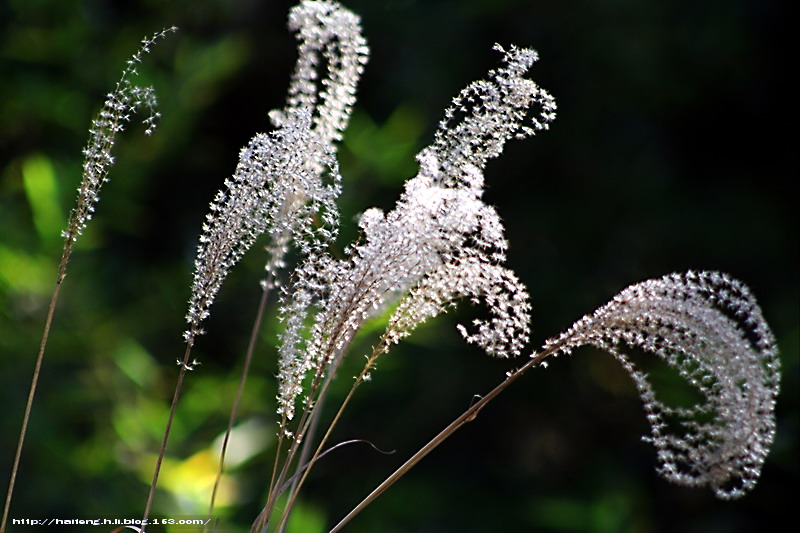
<point x="120" y="104"/>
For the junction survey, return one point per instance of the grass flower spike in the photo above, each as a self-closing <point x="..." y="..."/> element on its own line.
<point x="709" y="328"/>
<point x="284" y="179"/>
<point x="440" y="243"/>
<point x="120" y="104"/>
<point x="276" y="188"/>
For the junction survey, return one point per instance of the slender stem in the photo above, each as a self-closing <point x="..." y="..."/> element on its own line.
<point x="34" y="382"/>
<point x="262" y="520"/>
<point x="360" y="379"/>
<point x="303" y="459"/>
<point x="468" y="416"/>
<point x="318" y="390"/>
<point x="308" y="435"/>
<point x="240" y="390"/>
<point x="162" y="451"/>
<point x="276" y="482"/>
<point x="303" y="463"/>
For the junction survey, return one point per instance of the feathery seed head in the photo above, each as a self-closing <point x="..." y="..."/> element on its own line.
<point x="285" y="179"/>
<point x="120" y="104"/>
<point x="709" y="328"/>
<point x="325" y="28"/>
<point x="439" y="244"/>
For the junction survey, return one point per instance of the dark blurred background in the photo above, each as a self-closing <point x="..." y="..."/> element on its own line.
<point x="672" y="150"/>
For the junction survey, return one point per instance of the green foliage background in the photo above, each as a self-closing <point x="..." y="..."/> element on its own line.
<point x="669" y="153"/>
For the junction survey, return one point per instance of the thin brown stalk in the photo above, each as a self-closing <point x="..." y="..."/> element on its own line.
<point x="308" y="435"/>
<point x="379" y="349"/>
<point x="467" y="416"/>
<point x="277" y="481"/>
<point x="318" y="389"/>
<point x="262" y="520"/>
<point x="62" y="272"/>
<point x="262" y="304"/>
<point x="304" y="452"/>
<point x="178" y="388"/>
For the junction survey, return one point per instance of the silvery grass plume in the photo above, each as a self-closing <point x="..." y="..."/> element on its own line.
<point x="439" y="244"/>
<point x="282" y="182"/>
<point x="120" y="104"/>
<point x="276" y="188"/>
<point x="286" y="178"/>
<point x="709" y="328"/>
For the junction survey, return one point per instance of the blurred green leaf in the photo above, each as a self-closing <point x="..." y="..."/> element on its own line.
<point x="22" y="272"/>
<point x="42" y="191"/>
